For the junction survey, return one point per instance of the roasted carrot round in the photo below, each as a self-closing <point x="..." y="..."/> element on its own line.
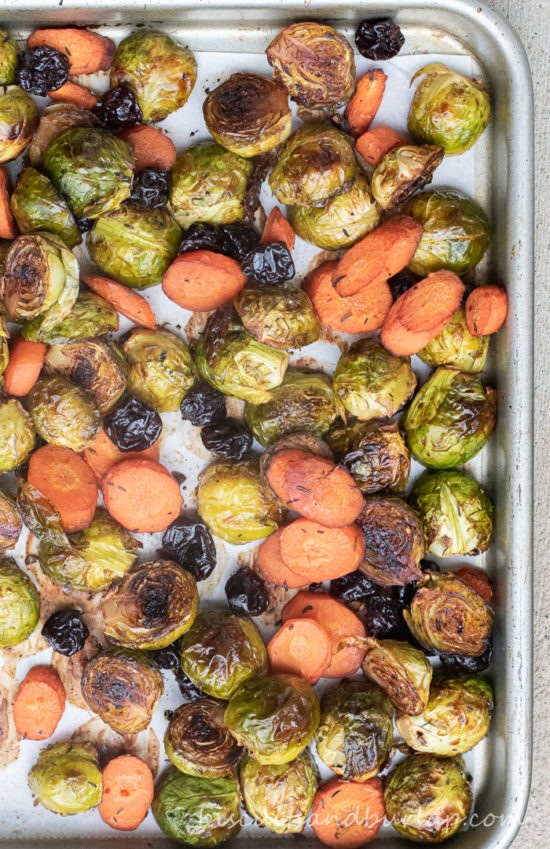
<point x="486" y="310"/>
<point x="87" y="51"/>
<point x="128" y="790"/>
<point x="301" y="647"/>
<point x="360" y="313"/>
<point x="24" y="365"/>
<point x="152" y="148"/>
<point x="366" y="101"/>
<point x="338" y="622"/>
<point x="348" y="814"/>
<point x="203" y="280"/>
<point x="39" y="703"/>
<point x="143" y="496"/>
<point x="422" y="312"/>
<point x="102" y="454"/>
<point x="320" y="553"/>
<point x="67" y="481"/>
<point x="278" y="466"/>
<point x="76" y="94"/>
<point x="278" y="229"/>
<point x="373" y="144"/>
<point x="127" y="302"/>
<point x="8" y="229"/>
<point x="320" y="490"/>
<point x="272" y="567"/>
<point x="477" y="580"/>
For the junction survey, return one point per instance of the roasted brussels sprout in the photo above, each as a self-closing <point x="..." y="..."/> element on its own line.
<point x="161" y="368"/>
<point x="402" y="671"/>
<point x="456" y="232"/>
<point x="4" y="332"/>
<point x="403" y="171"/>
<point x="220" y="651"/>
<point x="37" y="205"/>
<point x="62" y="413"/>
<point x="17" y="435"/>
<point x="160" y="72"/>
<point x="303" y="402"/>
<point x="315" y="63"/>
<point x="90" y="316"/>
<point x="456" y="513"/>
<point x="96" y="367"/>
<point x="198" y="743"/>
<point x="8" y="58"/>
<point x="374" y="454"/>
<point x="152" y="606"/>
<point x="394" y="541"/>
<point x="134" y="244"/>
<point x="236" y="503"/>
<point x="455" y="346"/>
<point x="448" y="109"/>
<point x="282" y="316"/>
<point x="197" y="811"/>
<point x="273" y="716"/>
<point x="19" y="604"/>
<point x="316" y="164"/>
<point x="10" y="521"/>
<point x="66" y="778"/>
<point x="209" y="184"/>
<point x="279" y="796"/>
<point x="39" y="515"/>
<point x="123" y="687"/>
<point x="355" y="734"/>
<point x="370" y="382"/>
<point x="18" y="121"/>
<point x="447" y="615"/>
<point x="57" y="118"/>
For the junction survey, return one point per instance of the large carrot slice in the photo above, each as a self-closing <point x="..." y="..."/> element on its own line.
<point x="373" y="144"/>
<point x="128" y="790"/>
<point x="39" y="703"/>
<point x="203" y="280"/>
<point x="278" y="466"/>
<point x="272" y="567"/>
<point x="348" y="814"/>
<point x="67" y="481"/>
<point x="278" y="229"/>
<point x="366" y="101"/>
<point x="143" y="496"/>
<point x="486" y="310"/>
<point x="360" y="313"/>
<point x="301" y="647"/>
<point x="24" y="365"/>
<point x="476" y="579"/>
<point x="74" y="93"/>
<point x="152" y="148"/>
<point x="88" y="52"/>
<point x="102" y="454"/>
<point x="320" y="490"/>
<point x="321" y="554"/>
<point x="127" y="302"/>
<point x="8" y="230"/>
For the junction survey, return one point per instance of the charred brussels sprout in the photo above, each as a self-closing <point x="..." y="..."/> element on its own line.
<point x="123" y="687"/>
<point x="282" y="316"/>
<point x="152" y="606"/>
<point x="134" y="244"/>
<point x="8" y="58"/>
<point x="62" y="413"/>
<point x="394" y="541"/>
<point x="374" y="454"/>
<point x="274" y="717"/>
<point x="160" y="72"/>
<point x="370" y="382"/>
<point x="198" y="743"/>
<point x="19" y="605"/>
<point x="66" y="778"/>
<point x="456" y="513"/>
<point x="56" y="119"/>
<point x="18" y="121"/>
<point x="448" y="109"/>
<point x="90" y="316"/>
<point x="455" y="346"/>
<point x="316" y="164"/>
<point x="355" y="734"/>
<point x="161" y="368"/>
<point x="37" y="205"/>
<point x="403" y="171"/>
<point x="96" y="367"/>
<point x="279" y="796"/>
<point x="236" y="503"/>
<point x="209" y="184"/>
<point x="10" y="522"/>
<point x="402" y="671"/>
<point x="39" y="515"/>
<point x="220" y="651"/>
<point x="17" y="435"/>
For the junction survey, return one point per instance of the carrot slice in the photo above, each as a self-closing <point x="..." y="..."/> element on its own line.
<point x="272" y="567"/>
<point x="366" y="101"/>
<point x="477" y="580"/>
<point x="102" y="454"/>
<point x="278" y="229"/>
<point x="378" y="256"/>
<point x="373" y="144"/>
<point x="320" y="490"/>
<point x="24" y="365"/>
<point x="486" y="310"/>
<point x="128" y="790"/>
<point x="348" y="814"/>
<point x="8" y="229"/>
<point x="88" y="52"/>
<point x="203" y="280"/>
<point x="127" y="302"/>
<point x="67" y="481"/>
<point x="338" y="622"/>
<point x="422" y="312"/>
<point x="277" y="469"/>
<point x="76" y="94"/>
<point x="39" y="703"/>
<point x="143" y="496"/>
<point x="321" y="554"/>
<point x="301" y="647"/>
<point x="358" y="313"/>
<point x="152" y="148"/>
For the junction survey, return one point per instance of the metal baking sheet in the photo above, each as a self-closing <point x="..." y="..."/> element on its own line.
<point x="227" y="37"/>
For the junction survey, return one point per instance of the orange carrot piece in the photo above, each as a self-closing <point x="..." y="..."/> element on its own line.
<point x="486" y="310"/>
<point x="128" y="790"/>
<point x="476" y="579"/>
<point x="143" y="496"/>
<point x="39" y="703"/>
<point x="67" y="481"/>
<point x="360" y="313"/>
<point x="76" y="94"/>
<point x="127" y="302"/>
<point x="102" y="454"/>
<point x="373" y="144"/>
<point x="321" y="554"/>
<point x="366" y="101"/>
<point x="152" y="148"/>
<point x="8" y="229"/>
<point x="422" y="312"/>
<point x="272" y="567"/>
<point x="378" y="256"/>
<point x="278" y="229"/>
<point x="203" y="280"/>
<point x="301" y="647"/>
<point x="24" y="365"/>
<point x="348" y="814"/>
<point x="278" y="466"/>
<point x="88" y="52"/>
<point x="320" y="490"/>
<point x="338" y="622"/>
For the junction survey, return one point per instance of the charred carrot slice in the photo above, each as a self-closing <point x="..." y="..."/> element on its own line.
<point x="360" y="313"/>
<point x="127" y="302"/>
<point x="24" y="366"/>
<point x="152" y="148"/>
<point x="348" y="814"/>
<point x="373" y="144"/>
<point x="278" y="229"/>
<point x="128" y="790"/>
<point x="486" y="310"/>
<point x="203" y="280"/>
<point x="67" y="481"/>
<point x="143" y="496"/>
<point x="321" y="554"/>
<point x="366" y="101"/>
<point x="88" y="52"/>
<point x="301" y="647"/>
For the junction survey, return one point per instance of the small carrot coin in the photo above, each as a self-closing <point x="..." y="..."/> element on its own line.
<point x="102" y="454"/>
<point x="366" y="101"/>
<point x="203" y="280"/>
<point x="63" y="477"/>
<point x="87" y="51"/>
<point x="359" y="313"/>
<point x="24" y="366"/>
<point x="477" y="580"/>
<point x="486" y="310"/>
<point x="143" y="496"/>
<point x="373" y="144"/>
<point x="39" y="703"/>
<point x="8" y="230"/>
<point x="127" y="302"/>
<point x="320" y="490"/>
<point x="75" y="94"/>
<point x="301" y="647"/>
<point x="152" y="148"/>
<point x="348" y="814"/>
<point x="272" y="567"/>
<point x="128" y="790"/>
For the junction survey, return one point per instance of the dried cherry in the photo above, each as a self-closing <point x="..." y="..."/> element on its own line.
<point x="203" y="405"/>
<point x="66" y="631"/>
<point x="85" y="224"/>
<point x="242" y="238"/>
<point x="402" y="282"/>
<point x="132" y="424"/>
<point x="379" y="38"/>
<point x="118" y="108"/>
<point x="188" y="690"/>
<point x="151" y="187"/>
<point x="461" y="663"/>
<point x="230" y="439"/>
<point x="269" y="263"/>
<point x="352" y="587"/>
<point x="188" y="542"/>
<point x="42" y="69"/>
<point x="247" y="592"/>
<point x="169" y="657"/>
<point x="383" y="616"/>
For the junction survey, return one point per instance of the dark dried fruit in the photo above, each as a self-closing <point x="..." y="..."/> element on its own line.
<point x="42" y="69"/>
<point x="352" y="587"/>
<point x="66" y="631"/>
<point x="151" y="187"/>
<point x="118" y="108"/>
<point x="168" y="657"/>
<point x="247" y="593"/>
<point x="188" y="542"/>
<point x="380" y="38"/>
<point x="382" y="616"/>
<point x="269" y="263"/>
<point x="460" y="663"/>
<point x="203" y="405"/>
<point x="132" y="425"/>
<point x="204" y="237"/>
<point x="230" y="439"/>
<point x="402" y="282"/>
<point x="85" y="224"/>
<point x="188" y="690"/>
<point x="241" y="238"/>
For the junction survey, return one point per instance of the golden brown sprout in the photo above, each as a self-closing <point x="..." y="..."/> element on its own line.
<point x="394" y="541"/>
<point x="402" y="671"/>
<point x="97" y="367"/>
<point x="403" y="171"/>
<point x="197" y="741"/>
<point x="10" y="521"/>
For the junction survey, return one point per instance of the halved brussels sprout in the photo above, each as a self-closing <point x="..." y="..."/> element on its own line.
<point x="90" y="316"/>
<point x="66" y="778"/>
<point x="279" y="796"/>
<point x="39" y="515"/>
<point x="455" y="346"/>
<point x="282" y="316"/>
<point x="56" y="119"/>
<point x="316" y="164"/>
<point x="456" y="718"/>
<point x="197" y="811"/>
<point x="10" y="521"/>
<point x="315" y="63"/>
<point x="37" y="205"/>
<point x="447" y="615"/>
<point x="448" y="109"/>
<point x="455" y="234"/>
<point x="303" y="402"/>
<point x="152" y="606"/>
<point x="403" y="672"/>
<point x="160" y="72"/>
<point x="236" y="503"/>
<point x="220" y="651"/>
<point x="92" y="168"/>
<point x="134" y="244"/>
<point x="19" y="604"/>
<point x="96" y="367"/>
<point x="274" y="717"/>
<point x="394" y="541"/>
<point x="248" y="114"/>
<point x="8" y="57"/>
<point x="341" y="222"/>
<point x="198" y="743"/>
<point x="355" y="734"/>
<point x="123" y="687"/>
<point x="403" y="171"/>
<point x="374" y="454"/>
<point x="456" y="513"/>
<point x="209" y="184"/>
<point x="17" y="435"/>
<point x="62" y="413"/>
<point x="18" y="121"/>
<point x="370" y="382"/>
<point x="161" y="368"/>
<point x="428" y="798"/>
<point x="4" y="332"/>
